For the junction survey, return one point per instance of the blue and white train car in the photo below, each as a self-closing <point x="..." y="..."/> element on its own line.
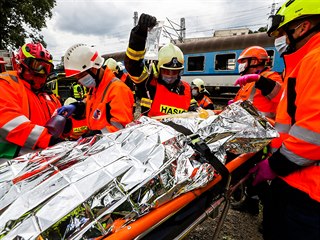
<point x="214" y="60"/>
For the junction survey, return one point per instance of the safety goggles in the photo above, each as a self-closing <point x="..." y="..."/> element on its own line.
<point x="170" y="72"/>
<point x="38" y="65"/>
<point x="274" y="22"/>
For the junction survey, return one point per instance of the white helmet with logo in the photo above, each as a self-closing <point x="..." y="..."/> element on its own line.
<point x="170" y="57"/>
<point x="199" y="83"/>
<point x="80" y="58"/>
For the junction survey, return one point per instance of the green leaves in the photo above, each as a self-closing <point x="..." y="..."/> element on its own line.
<point x="20" y="20"/>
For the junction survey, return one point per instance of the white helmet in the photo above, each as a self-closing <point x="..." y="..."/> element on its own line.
<point x="111" y="64"/>
<point x="170" y="57"/>
<point x="199" y="83"/>
<point x="80" y="58"/>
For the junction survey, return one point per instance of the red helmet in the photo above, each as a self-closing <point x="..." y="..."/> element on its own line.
<point x="34" y="64"/>
<point x="36" y="58"/>
<point x="254" y="52"/>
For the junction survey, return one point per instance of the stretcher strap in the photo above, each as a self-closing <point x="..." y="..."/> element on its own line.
<point x="198" y="144"/>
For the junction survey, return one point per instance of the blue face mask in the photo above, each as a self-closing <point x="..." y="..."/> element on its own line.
<point x="87" y="81"/>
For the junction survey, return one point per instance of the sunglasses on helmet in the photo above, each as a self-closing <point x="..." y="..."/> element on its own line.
<point x="38" y="66"/>
<point x="273" y="23"/>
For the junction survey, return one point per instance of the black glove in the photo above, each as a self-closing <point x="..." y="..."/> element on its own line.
<point x="91" y="133"/>
<point x="146" y="21"/>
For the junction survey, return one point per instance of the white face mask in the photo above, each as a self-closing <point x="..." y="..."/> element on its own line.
<point x="280" y="44"/>
<point x="242" y="67"/>
<point x="169" y="79"/>
<point x="194" y="92"/>
<point x="87" y="81"/>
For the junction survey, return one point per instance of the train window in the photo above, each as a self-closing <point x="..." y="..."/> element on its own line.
<point x="225" y="61"/>
<point x="271" y="55"/>
<point x="196" y="63"/>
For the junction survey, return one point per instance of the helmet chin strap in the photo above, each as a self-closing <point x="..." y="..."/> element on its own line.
<point x="31" y="79"/>
<point x="96" y="76"/>
<point x="251" y="66"/>
<point x="293" y="42"/>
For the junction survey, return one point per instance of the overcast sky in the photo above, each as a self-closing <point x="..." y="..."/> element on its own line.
<point x="107" y="24"/>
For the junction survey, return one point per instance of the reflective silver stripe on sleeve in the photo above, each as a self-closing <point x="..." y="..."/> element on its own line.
<point x="305" y="135"/>
<point x="117" y="125"/>
<point x="295" y="158"/>
<point x="253" y="92"/>
<point x="282" y="128"/>
<point x="275" y="91"/>
<point x="104" y="130"/>
<point x="34" y="136"/>
<point x="9" y="126"/>
<point x="268" y="114"/>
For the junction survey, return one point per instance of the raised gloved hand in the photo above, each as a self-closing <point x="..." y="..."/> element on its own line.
<point x="262" y="172"/>
<point x="146" y="21"/>
<point x="66" y="110"/>
<point x="247" y="79"/>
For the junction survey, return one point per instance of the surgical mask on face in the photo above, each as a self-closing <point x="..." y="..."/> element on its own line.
<point x="87" y="81"/>
<point x="169" y="79"/>
<point x="280" y="44"/>
<point x="194" y="92"/>
<point x="242" y="67"/>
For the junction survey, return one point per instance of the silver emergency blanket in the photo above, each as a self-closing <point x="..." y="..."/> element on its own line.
<point x="79" y="190"/>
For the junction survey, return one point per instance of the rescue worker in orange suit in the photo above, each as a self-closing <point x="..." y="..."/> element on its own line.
<point x="118" y="69"/>
<point x="294" y="167"/>
<point x="258" y="83"/>
<point x="200" y="94"/>
<point x="161" y="89"/>
<point x="76" y="125"/>
<point x="263" y="88"/>
<point x="24" y="107"/>
<point x="109" y="102"/>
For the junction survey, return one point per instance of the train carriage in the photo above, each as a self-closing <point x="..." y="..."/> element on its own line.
<point x="215" y="61"/>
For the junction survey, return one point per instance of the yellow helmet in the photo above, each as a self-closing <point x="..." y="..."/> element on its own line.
<point x="289" y="11"/>
<point x="170" y="57"/>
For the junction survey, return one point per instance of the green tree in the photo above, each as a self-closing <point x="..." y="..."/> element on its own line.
<point x="22" y="19"/>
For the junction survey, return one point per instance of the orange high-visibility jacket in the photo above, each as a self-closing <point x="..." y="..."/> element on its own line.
<point x="297" y="161"/>
<point x="167" y="102"/>
<point x="79" y="127"/>
<point x="110" y="106"/>
<point x="23" y="114"/>
<point x="266" y="104"/>
<point x="204" y="102"/>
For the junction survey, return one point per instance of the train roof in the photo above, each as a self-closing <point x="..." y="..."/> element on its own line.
<point x="215" y="44"/>
<point x="227" y="43"/>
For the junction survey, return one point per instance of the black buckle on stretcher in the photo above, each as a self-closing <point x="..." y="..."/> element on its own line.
<point x="199" y="145"/>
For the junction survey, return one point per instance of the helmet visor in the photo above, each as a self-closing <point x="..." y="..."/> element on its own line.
<point x="38" y="66"/>
<point x="274" y="22"/>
